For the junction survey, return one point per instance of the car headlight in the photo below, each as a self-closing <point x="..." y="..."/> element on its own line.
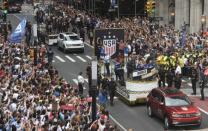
<point x="197" y="114"/>
<point x="176" y="115"/>
<point x="67" y="45"/>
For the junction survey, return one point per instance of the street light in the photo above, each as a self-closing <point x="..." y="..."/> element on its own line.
<point x="135" y="7"/>
<point x="203" y="21"/>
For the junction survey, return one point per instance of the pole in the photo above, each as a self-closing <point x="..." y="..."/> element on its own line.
<point x="94" y="88"/>
<point x="94" y="105"/>
<point x="118" y="10"/>
<point x="135" y="8"/>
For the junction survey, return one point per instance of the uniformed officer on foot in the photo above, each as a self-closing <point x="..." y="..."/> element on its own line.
<point x="112" y="90"/>
<point x="194" y="79"/>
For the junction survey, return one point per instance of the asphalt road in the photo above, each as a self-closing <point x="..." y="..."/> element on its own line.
<point x="69" y="65"/>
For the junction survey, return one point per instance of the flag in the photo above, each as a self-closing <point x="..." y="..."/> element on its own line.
<point x="17" y="35"/>
<point x="183" y="41"/>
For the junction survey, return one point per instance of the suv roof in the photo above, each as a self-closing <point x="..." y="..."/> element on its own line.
<point x="170" y="91"/>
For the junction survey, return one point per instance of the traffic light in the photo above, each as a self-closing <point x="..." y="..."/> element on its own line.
<point x="5" y="10"/>
<point x="150" y="7"/>
<point x="5" y="5"/>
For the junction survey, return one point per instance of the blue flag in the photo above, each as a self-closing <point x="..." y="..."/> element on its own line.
<point x="18" y="34"/>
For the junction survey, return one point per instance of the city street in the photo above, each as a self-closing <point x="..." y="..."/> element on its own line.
<point x="69" y="65"/>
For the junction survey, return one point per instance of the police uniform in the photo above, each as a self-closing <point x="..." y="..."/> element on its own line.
<point x="194" y="78"/>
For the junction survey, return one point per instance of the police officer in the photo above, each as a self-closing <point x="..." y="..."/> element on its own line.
<point x="194" y="78"/>
<point x="169" y="77"/>
<point x="161" y="77"/>
<point x="112" y="90"/>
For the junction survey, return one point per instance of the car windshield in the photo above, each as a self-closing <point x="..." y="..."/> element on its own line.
<point x="177" y="101"/>
<point x="74" y="37"/>
<point x="52" y="37"/>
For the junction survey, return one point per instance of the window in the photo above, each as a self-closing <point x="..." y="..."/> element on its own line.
<point x="177" y="101"/>
<point x="155" y="95"/>
<point x="74" y="37"/>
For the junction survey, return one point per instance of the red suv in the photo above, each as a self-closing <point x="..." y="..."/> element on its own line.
<point x="173" y="106"/>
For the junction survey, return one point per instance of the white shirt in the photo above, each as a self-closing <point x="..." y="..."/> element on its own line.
<point x="178" y="70"/>
<point x="80" y="79"/>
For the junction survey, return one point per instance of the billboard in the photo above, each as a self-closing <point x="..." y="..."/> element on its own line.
<point x="109" y="40"/>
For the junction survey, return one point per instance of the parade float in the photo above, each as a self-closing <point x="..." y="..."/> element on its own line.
<point x="136" y="88"/>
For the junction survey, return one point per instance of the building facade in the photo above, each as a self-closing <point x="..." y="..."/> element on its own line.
<point x="184" y="12"/>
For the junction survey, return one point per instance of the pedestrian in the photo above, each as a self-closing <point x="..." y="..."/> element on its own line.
<point x="50" y="56"/>
<point x="178" y="81"/>
<point x="89" y="75"/>
<point x="80" y="83"/>
<point x="130" y="67"/>
<point x="107" y="64"/>
<point x="169" y="77"/>
<point x="82" y="34"/>
<point x="161" y="77"/>
<point x="91" y="36"/>
<point x="194" y="79"/>
<point x="103" y="98"/>
<point x="112" y="90"/>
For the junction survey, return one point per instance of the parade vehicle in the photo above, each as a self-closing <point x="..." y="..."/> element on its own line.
<point x="70" y="42"/>
<point x="173" y="106"/>
<point x="136" y="89"/>
<point x="52" y="39"/>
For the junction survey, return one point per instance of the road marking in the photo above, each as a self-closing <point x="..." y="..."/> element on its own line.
<point x="111" y="117"/>
<point x="81" y="58"/>
<point x="86" y="80"/>
<point x="54" y="61"/>
<point x="189" y="84"/>
<point x="202" y="110"/>
<point x="59" y="58"/>
<point x="87" y="43"/>
<point x="183" y="80"/>
<point x="68" y="57"/>
<point x="74" y="54"/>
<point x="19" y="18"/>
<point x="75" y="81"/>
<point x="89" y="57"/>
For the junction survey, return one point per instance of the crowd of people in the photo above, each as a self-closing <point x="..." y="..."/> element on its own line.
<point x="144" y="42"/>
<point x="33" y="96"/>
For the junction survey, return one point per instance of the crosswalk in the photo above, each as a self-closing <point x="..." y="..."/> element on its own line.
<point x="73" y="59"/>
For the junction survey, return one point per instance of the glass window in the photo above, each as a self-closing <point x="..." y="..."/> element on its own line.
<point x="74" y="37"/>
<point x="177" y="101"/>
<point x="52" y="37"/>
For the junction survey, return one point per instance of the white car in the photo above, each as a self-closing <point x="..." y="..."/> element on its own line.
<point x="52" y="39"/>
<point x="70" y="42"/>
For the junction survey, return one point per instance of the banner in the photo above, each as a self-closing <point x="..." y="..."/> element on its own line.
<point x="109" y="39"/>
<point x="18" y="34"/>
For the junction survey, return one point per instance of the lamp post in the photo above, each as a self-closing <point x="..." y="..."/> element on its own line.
<point x="135" y="8"/>
<point x="172" y="17"/>
<point x="203" y="21"/>
<point x="94" y="88"/>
